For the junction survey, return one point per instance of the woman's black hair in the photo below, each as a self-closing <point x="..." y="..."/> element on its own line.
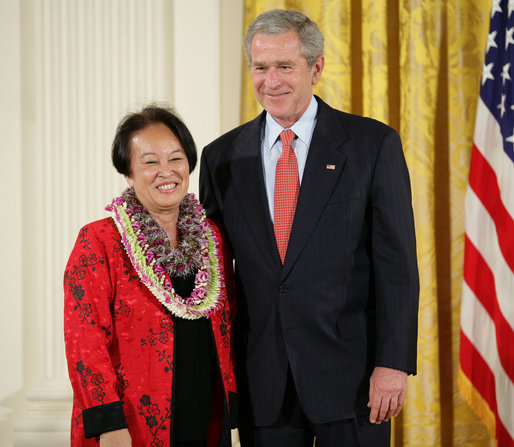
<point x="151" y="114"/>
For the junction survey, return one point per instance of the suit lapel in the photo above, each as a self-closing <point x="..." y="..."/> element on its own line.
<point x="323" y="168"/>
<point x="248" y="179"/>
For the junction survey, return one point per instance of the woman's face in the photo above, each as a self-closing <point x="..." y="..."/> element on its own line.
<point x="159" y="169"/>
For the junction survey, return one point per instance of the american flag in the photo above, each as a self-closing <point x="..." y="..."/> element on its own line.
<point x="486" y="378"/>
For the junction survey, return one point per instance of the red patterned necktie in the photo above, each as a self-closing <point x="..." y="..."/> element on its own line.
<point x="287" y="187"/>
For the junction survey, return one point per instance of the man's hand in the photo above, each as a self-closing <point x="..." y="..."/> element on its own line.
<point x="387" y="388"/>
<point x="116" y="438"/>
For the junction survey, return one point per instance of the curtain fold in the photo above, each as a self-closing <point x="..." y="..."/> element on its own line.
<point x="416" y="66"/>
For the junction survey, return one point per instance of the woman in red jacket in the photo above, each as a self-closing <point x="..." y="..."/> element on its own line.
<point x="149" y="303"/>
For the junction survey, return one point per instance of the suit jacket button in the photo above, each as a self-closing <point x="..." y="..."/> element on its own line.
<point x="283" y="288"/>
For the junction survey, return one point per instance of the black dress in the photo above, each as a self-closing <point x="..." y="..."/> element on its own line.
<point x="194" y="374"/>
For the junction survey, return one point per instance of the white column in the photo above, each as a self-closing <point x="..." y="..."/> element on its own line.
<point x="85" y="64"/>
<point x="196" y="80"/>
<point x="11" y="339"/>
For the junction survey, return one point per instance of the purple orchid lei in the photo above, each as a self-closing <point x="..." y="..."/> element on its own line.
<point x="152" y="256"/>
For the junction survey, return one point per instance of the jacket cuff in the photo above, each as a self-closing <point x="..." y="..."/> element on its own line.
<point x="103" y="418"/>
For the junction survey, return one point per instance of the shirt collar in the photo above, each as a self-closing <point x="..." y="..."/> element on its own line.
<point x="303" y="128"/>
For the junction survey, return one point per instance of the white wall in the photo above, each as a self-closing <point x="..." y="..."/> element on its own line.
<point x="69" y="69"/>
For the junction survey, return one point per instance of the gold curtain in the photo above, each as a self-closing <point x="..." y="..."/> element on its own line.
<point x="415" y="65"/>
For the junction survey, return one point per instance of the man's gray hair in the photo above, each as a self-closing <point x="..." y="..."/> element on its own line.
<point x="280" y="21"/>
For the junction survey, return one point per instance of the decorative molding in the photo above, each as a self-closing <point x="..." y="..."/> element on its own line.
<point x="47" y="421"/>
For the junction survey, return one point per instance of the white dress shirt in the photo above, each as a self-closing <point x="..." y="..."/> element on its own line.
<point x="271" y="147"/>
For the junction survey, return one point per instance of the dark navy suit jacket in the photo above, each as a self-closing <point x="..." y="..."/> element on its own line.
<point x="346" y="298"/>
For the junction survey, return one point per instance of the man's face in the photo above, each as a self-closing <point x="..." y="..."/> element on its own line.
<point x="282" y="79"/>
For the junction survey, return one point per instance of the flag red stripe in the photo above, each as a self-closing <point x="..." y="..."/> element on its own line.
<point x="503" y="436"/>
<point x="480" y="280"/>
<point x="475" y="367"/>
<point x="478" y="372"/>
<point x="483" y="180"/>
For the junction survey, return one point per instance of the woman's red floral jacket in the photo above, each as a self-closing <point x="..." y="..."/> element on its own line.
<point x="119" y="338"/>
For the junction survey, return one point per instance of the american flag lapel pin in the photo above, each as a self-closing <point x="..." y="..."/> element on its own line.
<point x="330" y="167"/>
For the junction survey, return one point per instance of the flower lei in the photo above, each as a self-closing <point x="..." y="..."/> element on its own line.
<point x="149" y="250"/>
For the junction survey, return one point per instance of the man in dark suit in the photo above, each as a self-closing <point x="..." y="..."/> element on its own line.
<point x="323" y="238"/>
